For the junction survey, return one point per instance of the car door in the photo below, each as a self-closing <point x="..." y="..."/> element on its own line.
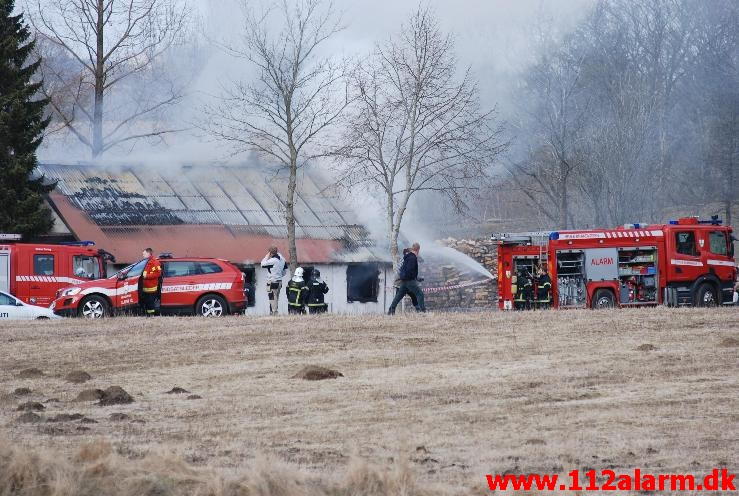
<point x="43" y="286"/>
<point x="127" y="286"/>
<point x="180" y="285"/>
<point x="12" y="309"/>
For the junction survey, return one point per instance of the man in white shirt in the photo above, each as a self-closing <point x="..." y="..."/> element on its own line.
<point x="275" y="265"/>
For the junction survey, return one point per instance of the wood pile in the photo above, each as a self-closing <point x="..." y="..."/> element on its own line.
<point x="439" y="272"/>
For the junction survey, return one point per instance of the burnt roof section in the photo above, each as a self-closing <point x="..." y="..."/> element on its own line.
<point x="243" y="200"/>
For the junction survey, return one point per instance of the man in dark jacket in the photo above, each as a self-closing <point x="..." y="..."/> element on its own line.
<point x="316" y="289"/>
<point x="408" y="276"/>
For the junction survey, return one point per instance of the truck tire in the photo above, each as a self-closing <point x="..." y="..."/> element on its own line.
<point x="93" y="307"/>
<point x="211" y="306"/>
<point x="603" y="298"/>
<point x="705" y="296"/>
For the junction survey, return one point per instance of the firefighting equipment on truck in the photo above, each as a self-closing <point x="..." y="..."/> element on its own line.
<point x="297" y="293"/>
<point x="316" y="291"/>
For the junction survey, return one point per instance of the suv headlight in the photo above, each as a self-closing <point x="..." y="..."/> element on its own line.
<point x="71" y="291"/>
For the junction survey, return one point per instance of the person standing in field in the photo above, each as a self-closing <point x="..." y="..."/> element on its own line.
<point x="274" y="262"/>
<point x="408" y="275"/>
<point x="151" y="283"/>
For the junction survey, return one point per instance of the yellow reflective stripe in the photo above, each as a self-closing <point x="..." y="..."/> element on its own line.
<point x="150" y="290"/>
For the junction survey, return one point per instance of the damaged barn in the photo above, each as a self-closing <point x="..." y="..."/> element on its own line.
<point x="229" y="212"/>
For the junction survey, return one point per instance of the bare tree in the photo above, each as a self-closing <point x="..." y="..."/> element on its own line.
<point x="110" y="42"/>
<point x="297" y="96"/>
<point x="418" y="125"/>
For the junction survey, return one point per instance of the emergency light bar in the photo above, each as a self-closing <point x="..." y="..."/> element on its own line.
<point x="77" y="243"/>
<point x="10" y="237"/>
<point x="166" y="255"/>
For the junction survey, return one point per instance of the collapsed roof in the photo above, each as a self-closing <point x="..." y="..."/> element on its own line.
<point x="223" y="211"/>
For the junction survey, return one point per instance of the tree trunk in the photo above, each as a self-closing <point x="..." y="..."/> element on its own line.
<point x="290" y="211"/>
<point x="97" y="116"/>
<point x="563" y="205"/>
<point x="392" y="235"/>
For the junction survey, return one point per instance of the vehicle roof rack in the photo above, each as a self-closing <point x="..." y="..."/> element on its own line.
<point x="10" y="237"/>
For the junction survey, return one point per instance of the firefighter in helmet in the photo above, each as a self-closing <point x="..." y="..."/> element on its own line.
<point x="543" y="288"/>
<point x="297" y="293"/>
<point x="317" y="288"/>
<point x="151" y="283"/>
<point x="524" y="287"/>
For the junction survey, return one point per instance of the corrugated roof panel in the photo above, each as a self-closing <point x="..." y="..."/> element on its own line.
<point x="221" y="203"/>
<point x="256" y="217"/>
<point x="198" y="217"/>
<point x="231" y="217"/>
<point x="182" y="186"/>
<point x="170" y="202"/>
<point x="195" y="203"/>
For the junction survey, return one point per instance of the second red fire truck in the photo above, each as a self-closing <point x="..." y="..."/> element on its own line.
<point x="683" y="262"/>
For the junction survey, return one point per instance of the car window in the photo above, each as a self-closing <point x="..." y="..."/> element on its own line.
<point x="6" y="300"/>
<point x="86" y="267"/>
<point x="685" y="243"/>
<point x="43" y="265"/>
<point x="179" y="269"/>
<point x="209" y="268"/>
<point x="137" y="268"/>
<point x="717" y="242"/>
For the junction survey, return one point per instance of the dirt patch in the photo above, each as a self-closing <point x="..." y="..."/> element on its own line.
<point x="29" y="418"/>
<point x="194" y="397"/>
<point x="646" y="347"/>
<point x="31" y="373"/>
<point x="317" y="373"/>
<point x="78" y="377"/>
<point x="115" y="395"/>
<point x="729" y="343"/>
<point x="177" y="390"/>
<point x="90" y="395"/>
<point x="66" y="417"/>
<point x="31" y="406"/>
<point x="118" y="417"/>
<point x="22" y="392"/>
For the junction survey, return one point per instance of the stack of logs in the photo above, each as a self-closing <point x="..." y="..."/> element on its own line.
<point x="441" y="272"/>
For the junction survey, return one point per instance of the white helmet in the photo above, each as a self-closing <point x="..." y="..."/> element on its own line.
<point x="299" y="272"/>
<point x="80" y="272"/>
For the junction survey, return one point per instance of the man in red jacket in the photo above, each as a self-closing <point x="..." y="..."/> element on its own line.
<point x="151" y="279"/>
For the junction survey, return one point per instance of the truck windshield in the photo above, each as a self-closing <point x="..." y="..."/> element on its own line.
<point x="86" y="267"/>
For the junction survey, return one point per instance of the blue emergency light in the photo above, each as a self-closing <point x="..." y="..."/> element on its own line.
<point x="554" y="235"/>
<point x="78" y="243"/>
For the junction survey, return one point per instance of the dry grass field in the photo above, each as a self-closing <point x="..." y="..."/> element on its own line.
<point x="428" y="404"/>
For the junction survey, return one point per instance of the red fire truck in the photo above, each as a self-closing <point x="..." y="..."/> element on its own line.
<point x="683" y="262"/>
<point x="35" y="272"/>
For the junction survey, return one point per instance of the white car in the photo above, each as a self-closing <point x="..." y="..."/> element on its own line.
<point x="11" y="308"/>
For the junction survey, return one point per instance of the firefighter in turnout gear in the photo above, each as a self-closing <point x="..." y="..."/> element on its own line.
<point x="543" y="289"/>
<point x="297" y="293"/>
<point x="151" y="283"/>
<point x="316" y="290"/>
<point x="524" y="289"/>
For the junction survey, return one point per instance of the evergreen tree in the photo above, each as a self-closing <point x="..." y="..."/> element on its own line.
<point x="22" y="123"/>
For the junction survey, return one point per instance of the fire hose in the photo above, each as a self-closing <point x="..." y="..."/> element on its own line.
<point x="451" y="287"/>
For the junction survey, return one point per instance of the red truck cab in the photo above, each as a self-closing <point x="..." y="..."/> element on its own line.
<point x="35" y="272"/>
<point x="207" y="287"/>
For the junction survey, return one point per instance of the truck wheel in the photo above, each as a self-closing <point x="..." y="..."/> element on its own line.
<point x="211" y="306"/>
<point x="93" y="307"/>
<point x="705" y="296"/>
<point x="603" y="298"/>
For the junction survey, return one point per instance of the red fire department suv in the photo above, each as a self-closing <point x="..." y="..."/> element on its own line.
<point x="208" y="287"/>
